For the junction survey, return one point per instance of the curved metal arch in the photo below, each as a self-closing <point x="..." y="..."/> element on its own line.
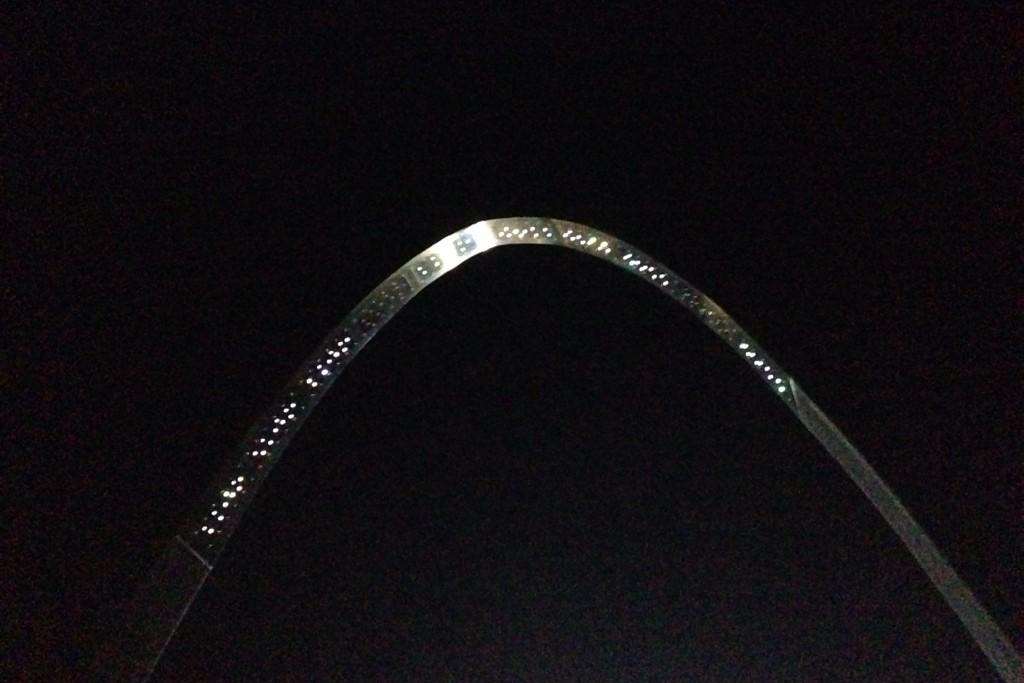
<point x="183" y="568"/>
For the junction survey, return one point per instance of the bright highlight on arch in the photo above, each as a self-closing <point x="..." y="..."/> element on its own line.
<point x="164" y="600"/>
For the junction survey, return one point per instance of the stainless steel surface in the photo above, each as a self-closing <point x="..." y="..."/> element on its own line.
<point x="221" y="510"/>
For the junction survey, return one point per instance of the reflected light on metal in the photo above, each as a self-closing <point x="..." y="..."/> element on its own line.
<point x="166" y="596"/>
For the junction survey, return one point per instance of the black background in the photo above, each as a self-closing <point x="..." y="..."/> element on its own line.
<point x="540" y="470"/>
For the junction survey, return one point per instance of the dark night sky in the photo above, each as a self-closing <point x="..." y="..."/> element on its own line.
<point x="540" y="470"/>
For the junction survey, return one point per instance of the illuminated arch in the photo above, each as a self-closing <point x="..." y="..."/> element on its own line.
<point x="165" y="599"/>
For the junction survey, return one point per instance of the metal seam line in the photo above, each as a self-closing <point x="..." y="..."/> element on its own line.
<point x="194" y="553"/>
<point x="162" y="603"/>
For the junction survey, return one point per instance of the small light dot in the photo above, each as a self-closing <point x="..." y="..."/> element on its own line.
<point x="220" y="518"/>
<point x="209" y="531"/>
<point x="224" y="504"/>
<point x="782" y="390"/>
<point x="750" y="354"/>
<point x="744" y="345"/>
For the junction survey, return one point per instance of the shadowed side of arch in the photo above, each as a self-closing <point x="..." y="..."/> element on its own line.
<point x="165" y="598"/>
